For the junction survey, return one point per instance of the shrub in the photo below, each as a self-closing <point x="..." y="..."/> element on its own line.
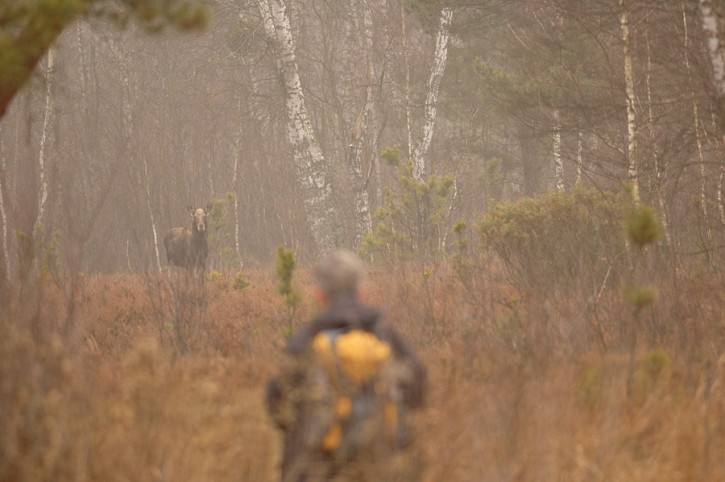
<point x="558" y="240"/>
<point x="240" y="281"/>
<point x="413" y="219"/>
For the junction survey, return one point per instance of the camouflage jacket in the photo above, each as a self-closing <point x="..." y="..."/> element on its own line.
<point x="289" y="393"/>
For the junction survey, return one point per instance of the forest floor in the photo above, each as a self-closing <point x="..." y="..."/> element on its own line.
<point x="134" y="378"/>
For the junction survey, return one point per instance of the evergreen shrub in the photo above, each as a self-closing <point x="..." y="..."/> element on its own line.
<point x="559" y="240"/>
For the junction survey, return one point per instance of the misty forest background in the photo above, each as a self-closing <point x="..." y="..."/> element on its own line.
<point x="536" y="186"/>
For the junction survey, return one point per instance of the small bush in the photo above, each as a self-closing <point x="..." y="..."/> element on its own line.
<point x="558" y="240"/>
<point x="641" y="296"/>
<point x="414" y="217"/>
<point x="643" y="227"/>
<point x="240" y="281"/>
<point x="652" y="371"/>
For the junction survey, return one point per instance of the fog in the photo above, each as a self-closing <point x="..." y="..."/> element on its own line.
<point x="128" y="128"/>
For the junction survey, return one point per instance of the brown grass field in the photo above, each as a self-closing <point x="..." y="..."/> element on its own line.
<point x="133" y="378"/>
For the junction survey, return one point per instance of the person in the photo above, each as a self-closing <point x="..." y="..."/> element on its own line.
<point x="330" y="434"/>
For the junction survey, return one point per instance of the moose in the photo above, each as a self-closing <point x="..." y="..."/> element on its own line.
<point x="188" y="248"/>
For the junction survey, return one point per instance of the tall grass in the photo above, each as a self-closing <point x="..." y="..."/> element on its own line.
<point x="525" y="385"/>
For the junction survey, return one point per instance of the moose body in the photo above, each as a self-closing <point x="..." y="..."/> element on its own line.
<point x="188" y="247"/>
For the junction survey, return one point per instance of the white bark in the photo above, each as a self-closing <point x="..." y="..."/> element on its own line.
<point x="312" y="170"/>
<point x="714" y="51"/>
<point x="237" y="147"/>
<point x="3" y="216"/>
<point x="659" y="174"/>
<point x="434" y="82"/>
<point x="130" y="150"/>
<point x="363" y="221"/>
<point x="82" y="62"/>
<point x="151" y="214"/>
<point x="44" y="141"/>
<point x="579" y="158"/>
<point x="406" y="87"/>
<point x="558" y="163"/>
<point x="698" y="137"/>
<point x="632" y="167"/>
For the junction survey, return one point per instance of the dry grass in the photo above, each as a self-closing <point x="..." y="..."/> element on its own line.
<point x="522" y="388"/>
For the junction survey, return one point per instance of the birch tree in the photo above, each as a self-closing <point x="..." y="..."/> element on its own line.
<point x="429" y="117"/>
<point x="235" y="190"/>
<point x="44" y="141"/>
<point x="656" y="155"/>
<point x="130" y="150"/>
<point x="632" y="167"/>
<point x="696" y="127"/>
<point x="558" y="162"/>
<point x="5" y="273"/>
<point x="312" y="169"/>
<point x="710" y="22"/>
<point x="406" y="87"/>
<point x="363" y="222"/>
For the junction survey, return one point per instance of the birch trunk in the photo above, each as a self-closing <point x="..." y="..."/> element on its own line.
<point x="698" y="137"/>
<point x="714" y="51"/>
<point x="579" y="158"/>
<point x="720" y="204"/>
<point x="558" y="163"/>
<point x="130" y="150"/>
<point x="44" y="141"/>
<point x="632" y="167"/>
<point x="312" y="170"/>
<point x="659" y="171"/>
<point x="82" y="66"/>
<point x="431" y="101"/>
<point x="235" y="190"/>
<point x="5" y="274"/>
<point x="363" y="222"/>
<point x="406" y="87"/>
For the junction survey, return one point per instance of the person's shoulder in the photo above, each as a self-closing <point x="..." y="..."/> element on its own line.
<point x="302" y="338"/>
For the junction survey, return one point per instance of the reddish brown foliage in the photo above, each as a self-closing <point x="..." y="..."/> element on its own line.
<point x="526" y="388"/>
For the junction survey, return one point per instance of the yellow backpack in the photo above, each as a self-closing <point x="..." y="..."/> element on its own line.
<point x="362" y="406"/>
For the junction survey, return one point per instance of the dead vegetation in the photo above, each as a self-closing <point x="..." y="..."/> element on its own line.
<point x="524" y="386"/>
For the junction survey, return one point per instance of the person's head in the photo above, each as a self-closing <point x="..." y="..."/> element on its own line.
<point x="339" y="274"/>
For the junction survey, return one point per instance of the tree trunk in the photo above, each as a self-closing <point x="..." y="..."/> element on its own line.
<point x="38" y="230"/>
<point x="710" y="24"/>
<point x="710" y="29"/>
<point x="363" y="222"/>
<point x="235" y="190"/>
<point x="431" y="101"/>
<point x="312" y="170"/>
<point x="406" y="87"/>
<point x="698" y="138"/>
<point x="5" y="267"/>
<point x="130" y="151"/>
<point x="558" y="163"/>
<point x="632" y="167"/>
<point x="659" y="170"/>
<point x="579" y="158"/>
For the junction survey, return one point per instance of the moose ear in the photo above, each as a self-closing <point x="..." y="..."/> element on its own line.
<point x="190" y="208"/>
<point x="209" y="207"/>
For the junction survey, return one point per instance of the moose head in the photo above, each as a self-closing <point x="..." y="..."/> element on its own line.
<point x="198" y="215"/>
